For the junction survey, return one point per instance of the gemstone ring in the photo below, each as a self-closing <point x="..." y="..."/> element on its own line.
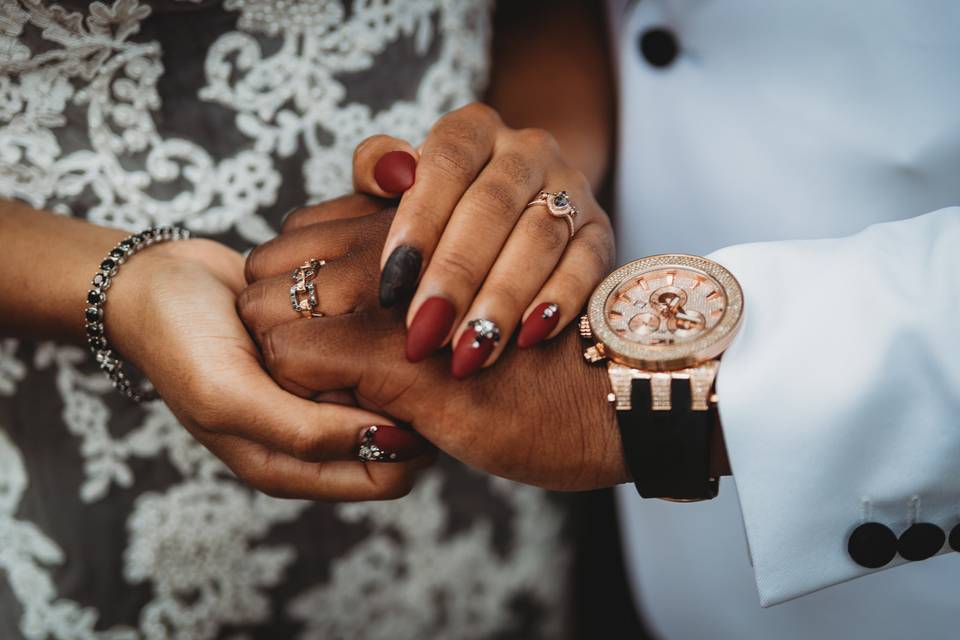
<point x="302" y="277"/>
<point x="559" y="205"/>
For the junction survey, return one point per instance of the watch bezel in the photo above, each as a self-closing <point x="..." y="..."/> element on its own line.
<point x="667" y="357"/>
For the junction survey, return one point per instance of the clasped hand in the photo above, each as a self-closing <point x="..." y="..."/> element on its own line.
<point x="286" y="401"/>
<point x="539" y="416"/>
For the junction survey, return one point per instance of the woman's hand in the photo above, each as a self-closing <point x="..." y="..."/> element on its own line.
<point x="171" y="311"/>
<point x="541" y="416"/>
<point x="463" y="221"/>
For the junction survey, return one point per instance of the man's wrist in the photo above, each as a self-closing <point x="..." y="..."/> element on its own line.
<point x="604" y="455"/>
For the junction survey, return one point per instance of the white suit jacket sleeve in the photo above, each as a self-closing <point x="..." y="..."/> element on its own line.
<point x="840" y="398"/>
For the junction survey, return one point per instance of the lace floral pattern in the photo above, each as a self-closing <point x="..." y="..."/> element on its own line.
<point x="114" y="522"/>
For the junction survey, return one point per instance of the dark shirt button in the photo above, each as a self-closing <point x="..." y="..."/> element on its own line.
<point x="955" y="538"/>
<point x="921" y="541"/>
<point x="659" y="46"/>
<point x="872" y="545"/>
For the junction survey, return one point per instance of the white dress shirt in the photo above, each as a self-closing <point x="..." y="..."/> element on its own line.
<point x="797" y="126"/>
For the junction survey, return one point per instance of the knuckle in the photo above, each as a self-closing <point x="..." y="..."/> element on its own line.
<point x="570" y="282"/>
<point x="480" y="111"/>
<point x="308" y="446"/>
<point x="536" y="138"/>
<point x="422" y="220"/>
<point x="600" y="246"/>
<point x="249" y="304"/>
<point x="455" y="265"/>
<point x="292" y="219"/>
<point x="252" y="266"/>
<point x="576" y="181"/>
<point x="516" y="168"/>
<point x="498" y="198"/>
<point x="273" y="348"/>
<point x="507" y="295"/>
<point x="452" y="160"/>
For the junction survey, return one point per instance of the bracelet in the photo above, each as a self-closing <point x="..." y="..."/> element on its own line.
<point x="97" y="297"/>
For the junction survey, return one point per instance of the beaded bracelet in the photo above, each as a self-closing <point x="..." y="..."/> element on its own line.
<point x="97" y="297"/>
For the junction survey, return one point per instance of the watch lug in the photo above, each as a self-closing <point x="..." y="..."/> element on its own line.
<point x="621" y="379"/>
<point x="702" y="378"/>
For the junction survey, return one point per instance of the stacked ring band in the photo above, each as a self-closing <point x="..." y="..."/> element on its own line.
<point x="97" y="297"/>
<point x="303" y="293"/>
<point x="559" y="205"/>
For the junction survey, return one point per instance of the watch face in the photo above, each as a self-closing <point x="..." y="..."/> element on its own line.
<point x="666" y="312"/>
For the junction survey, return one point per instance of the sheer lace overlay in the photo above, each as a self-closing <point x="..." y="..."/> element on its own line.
<point x="221" y="116"/>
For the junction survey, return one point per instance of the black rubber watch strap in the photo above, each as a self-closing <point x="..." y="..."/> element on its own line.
<point x="668" y="452"/>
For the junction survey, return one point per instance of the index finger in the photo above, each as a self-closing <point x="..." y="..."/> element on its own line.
<point x="452" y="156"/>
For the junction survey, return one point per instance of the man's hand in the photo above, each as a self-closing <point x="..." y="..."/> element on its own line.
<point x="539" y="416"/>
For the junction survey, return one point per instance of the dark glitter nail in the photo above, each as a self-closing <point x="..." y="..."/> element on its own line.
<point x="399" y="278"/>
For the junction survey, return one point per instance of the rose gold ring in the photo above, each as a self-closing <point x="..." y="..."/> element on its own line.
<point x="559" y="205"/>
<point x="303" y="286"/>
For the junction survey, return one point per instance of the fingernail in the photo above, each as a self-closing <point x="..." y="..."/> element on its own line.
<point x="386" y="443"/>
<point x="429" y="328"/>
<point x="395" y="171"/>
<point x="398" y="280"/>
<point x="475" y="346"/>
<point x="541" y="321"/>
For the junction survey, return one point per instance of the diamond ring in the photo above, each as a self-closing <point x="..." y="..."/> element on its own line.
<point x="559" y="205"/>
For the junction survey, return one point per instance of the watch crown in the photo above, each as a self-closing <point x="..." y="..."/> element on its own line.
<point x="585" y="330"/>
<point x="593" y="354"/>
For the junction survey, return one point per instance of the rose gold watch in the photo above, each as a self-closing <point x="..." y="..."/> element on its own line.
<point x="661" y="324"/>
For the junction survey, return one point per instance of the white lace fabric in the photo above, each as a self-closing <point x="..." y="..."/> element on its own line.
<point x="114" y="522"/>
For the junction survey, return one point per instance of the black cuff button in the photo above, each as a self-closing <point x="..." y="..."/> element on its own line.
<point x="659" y="47"/>
<point x="954" y="540"/>
<point x="921" y="541"/>
<point x="872" y="545"/>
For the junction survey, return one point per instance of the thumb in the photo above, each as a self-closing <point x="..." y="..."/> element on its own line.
<point x="384" y="166"/>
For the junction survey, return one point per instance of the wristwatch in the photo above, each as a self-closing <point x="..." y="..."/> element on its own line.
<point x="661" y="324"/>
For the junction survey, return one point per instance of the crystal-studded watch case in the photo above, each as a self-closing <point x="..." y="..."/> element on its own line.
<point x="666" y="312"/>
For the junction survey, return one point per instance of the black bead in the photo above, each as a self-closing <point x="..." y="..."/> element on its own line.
<point x="94" y="297"/>
<point x="135" y="239"/>
<point x="108" y="264"/>
<point x="954" y="539"/>
<point x="921" y="541"/>
<point x="92" y="314"/>
<point x="659" y="47"/>
<point x="872" y="545"/>
<point x="117" y="253"/>
<point x="94" y="329"/>
<point x="97" y="342"/>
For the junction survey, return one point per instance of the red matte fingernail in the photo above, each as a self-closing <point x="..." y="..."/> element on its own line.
<point x="386" y="443"/>
<point x="429" y="328"/>
<point x="541" y="321"/>
<point x="395" y="171"/>
<point x="475" y="346"/>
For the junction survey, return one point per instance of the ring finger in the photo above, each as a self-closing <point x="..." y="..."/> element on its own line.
<point x="526" y="262"/>
<point x="333" y="289"/>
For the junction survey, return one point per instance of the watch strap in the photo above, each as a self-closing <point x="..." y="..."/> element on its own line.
<point x="668" y="452"/>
